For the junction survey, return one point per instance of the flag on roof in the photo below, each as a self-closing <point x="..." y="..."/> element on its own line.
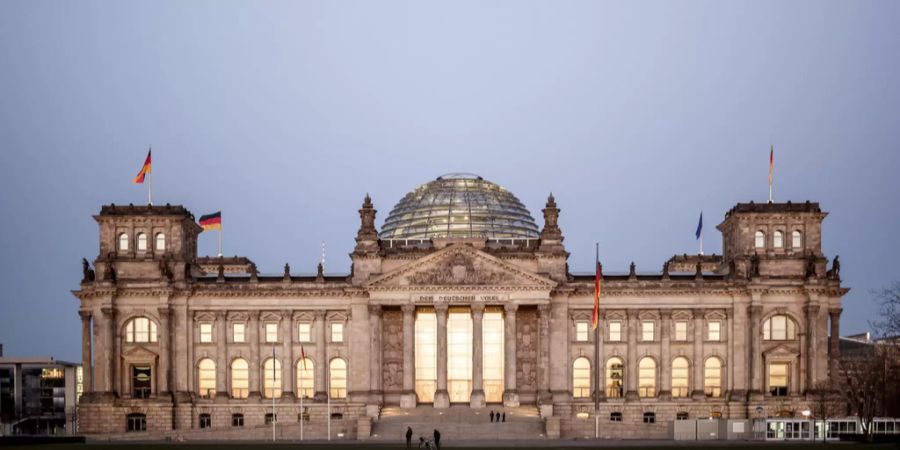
<point x="211" y="221"/>
<point x="145" y="169"/>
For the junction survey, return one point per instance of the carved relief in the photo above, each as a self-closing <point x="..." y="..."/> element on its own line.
<point x="459" y="269"/>
<point x="526" y="349"/>
<point x="392" y="349"/>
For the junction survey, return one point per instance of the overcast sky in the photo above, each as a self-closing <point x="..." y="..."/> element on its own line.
<point x="285" y="114"/>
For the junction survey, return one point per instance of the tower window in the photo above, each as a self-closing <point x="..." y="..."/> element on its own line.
<point x="140" y="329"/>
<point x="337" y="332"/>
<point x="779" y="328"/>
<point x="123" y="242"/>
<point x="160" y="241"/>
<point x="796" y="239"/>
<point x="778" y="239"/>
<point x="142" y="242"/>
<point x="760" y="240"/>
<point x="581" y="331"/>
<point x="681" y="330"/>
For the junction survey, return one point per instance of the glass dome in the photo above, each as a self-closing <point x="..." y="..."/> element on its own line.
<point x="459" y="205"/>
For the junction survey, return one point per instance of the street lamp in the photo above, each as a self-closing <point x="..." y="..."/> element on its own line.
<point x="806" y="413"/>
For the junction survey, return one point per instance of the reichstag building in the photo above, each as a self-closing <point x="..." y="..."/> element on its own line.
<point x="461" y="304"/>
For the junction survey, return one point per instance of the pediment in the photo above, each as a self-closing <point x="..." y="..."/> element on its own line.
<point x="780" y="350"/>
<point x="460" y="265"/>
<point x="139" y="353"/>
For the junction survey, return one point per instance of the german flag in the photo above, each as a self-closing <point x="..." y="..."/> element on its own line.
<point x="145" y="169"/>
<point x="211" y="221"/>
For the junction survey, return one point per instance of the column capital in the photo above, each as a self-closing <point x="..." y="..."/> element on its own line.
<point x="375" y="310"/>
<point x="698" y="313"/>
<point x="320" y="314"/>
<point x="665" y="313"/>
<point x="544" y="310"/>
<point x="511" y="307"/>
<point x="108" y="311"/>
<point x="408" y="308"/>
<point x="835" y="312"/>
<point x="253" y="315"/>
<point x="755" y="310"/>
<point x="811" y="308"/>
<point x="85" y="314"/>
<point x="441" y="308"/>
<point x="221" y="314"/>
<point x="477" y="310"/>
<point x="631" y="313"/>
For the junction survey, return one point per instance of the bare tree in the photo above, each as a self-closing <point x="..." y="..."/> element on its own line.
<point x="862" y="379"/>
<point x="887" y="326"/>
<point x="826" y="404"/>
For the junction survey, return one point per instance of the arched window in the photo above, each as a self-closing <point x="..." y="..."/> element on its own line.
<point x="647" y="377"/>
<point x="779" y="328"/>
<point x="305" y="378"/>
<point x="206" y="374"/>
<point x="142" y="242"/>
<point x="140" y="329"/>
<point x="338" y="381"/>
<point x="760" y="240"/>
<point x="240" y="378"/>
<point x="615" y="377"/>
<point x="581" y="378"/>
<point x="796" y="239"/>
<point x="123" y="242"/>
<point x="712" y="377"/>
<point x="160" y="241"/>
<point x="778" y="239"/>
<point x="680" y="371"/>
<point x="272" y="378"/>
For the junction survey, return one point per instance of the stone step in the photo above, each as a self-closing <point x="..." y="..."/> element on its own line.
<point x="458" y="422"/>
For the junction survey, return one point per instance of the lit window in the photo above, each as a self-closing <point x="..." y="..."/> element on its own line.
<point x="779" y="328"/>
<point x="305" y="378"/>
<point x="647" y="377"/>
<point x="680" y="371"/>
<point x="426" y="354"/>
<point x="240" y="378"/>
<point x="272" y="378"/>
<point x="304" y="332"/>
<point x="123" y="241"/>
<point x="338" y="376"/>
<point x="647" y="329"/>
<point x="649" y="417"/>
<point x="581" y="331"/>
<point x="796" y="239"/>
<point x="206" y="332"/>
<point x="492" y="369"/>
<point x="615" y="377"/>
<point x="205" y="420"/>
<point x="140" y="329"/>
<point x="760" y="239"/>
<point x="778" y="379"/>
<point x="715" y="331"/>
<point x="207" y="378"/>
<point x="681" y="330"/>
<point x="581" y="378"/>
<point x="337" y="332"/>
<point x="160" y="241"/>
<point x="271" y="332"/>
<point x="237" y="332"/>
<point x="142" y="242"/>
<point x="615" y="331"/>
<point x="778" y="239"/>
<point x="712" y="377"/>
<point x="615" y="417"/>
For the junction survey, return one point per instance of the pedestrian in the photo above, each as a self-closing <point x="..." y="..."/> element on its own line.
<point x="492" y="416"/>
<point x="409" y="437"/>
<point x="504" y="416"/>
<point x="421" y="441"/>
<point x="437" y="439"/>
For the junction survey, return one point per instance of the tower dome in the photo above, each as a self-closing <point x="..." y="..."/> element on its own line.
<point x="459" y="205"/>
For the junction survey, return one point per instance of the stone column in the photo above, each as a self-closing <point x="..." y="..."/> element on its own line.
<point x="477" y="398"/>
<point x="253" y="336"/>
<point x="665" y="363"/>
<point x="165" y="351"/>
<point x="376" y="381"/>
<point x="112" y="354"/>
<point x="544" y="395"/>
<point x="86" y="360"/>
<point x="812" y="313"/>
<point x="321" y="358"/>
<point x="756" y="369"/>
<point x="835" y="339"/>
<point x="698" y="363"/>
<point x="221" y="356"/>
<point x="408" y="397"/>
<point x="441" y="396"/>
<point x="510" y="395"/>
<point x="631" y="364"/>
<point x="727" y="336"/>
<point x="287" y="356"/>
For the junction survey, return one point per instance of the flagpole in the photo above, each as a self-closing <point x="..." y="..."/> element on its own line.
<point x="150" y="187"/>
<point x="220" y="240"/>
<point x="597" y="353"/>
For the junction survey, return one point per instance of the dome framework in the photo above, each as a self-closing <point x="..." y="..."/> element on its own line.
<point x="459" y="205"/>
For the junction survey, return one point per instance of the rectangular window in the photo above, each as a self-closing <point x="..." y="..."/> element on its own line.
<point x="237" y="420"/>
<point x="778" y="379"/>
<point x="206" y="332"/>
<point x="615" y="331"/>
<point x="271" y="332"/>
<point x="681" y="330"/>
<point x="581" y="331"/>
<point x="337" y="332"/>
<point x="715" y="331"/>
<point x="304" y="332"/>
<point x="647" y="328"/>
<point x="237" y="332"/>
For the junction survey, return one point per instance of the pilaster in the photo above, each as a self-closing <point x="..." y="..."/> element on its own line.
<point x="477" y="398"/>
<point x="408" y="397"/>
<point x="441" y="395"/>
<point x="510" y="394"/>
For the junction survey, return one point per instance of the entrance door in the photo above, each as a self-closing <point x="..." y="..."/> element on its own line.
<point x="459" y="355"/>
<point x="140" y="381"/>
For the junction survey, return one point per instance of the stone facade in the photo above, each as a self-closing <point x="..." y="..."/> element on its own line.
<point x="755" y="310"/>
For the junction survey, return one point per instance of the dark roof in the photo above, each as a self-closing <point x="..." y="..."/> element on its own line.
<point x="808" y="207"/>
<point x="146" y="210"/>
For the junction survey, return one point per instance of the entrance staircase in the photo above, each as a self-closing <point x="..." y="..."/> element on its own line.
<point x="459" y="422"/>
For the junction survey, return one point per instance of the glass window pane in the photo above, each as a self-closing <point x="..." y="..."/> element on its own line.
<point x="492" y="336"/>
<point x="581" y="378"/>
<point x="681" y="327"/>
<point x="240" y="378"/>
<point x="338" y="382"/>
<point x="647" y="378"/>
<point x="271" y="332"/>
<point x="337" y="332"/>
<point x="305" y="378"/>
<point x="272" y="378"/>
<point x="304" y="332"/>
<point x="426" y="355"/>
<point x="238" y="332"/>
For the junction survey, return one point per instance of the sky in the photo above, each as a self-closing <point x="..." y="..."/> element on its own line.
<point x="283" y="115"/>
